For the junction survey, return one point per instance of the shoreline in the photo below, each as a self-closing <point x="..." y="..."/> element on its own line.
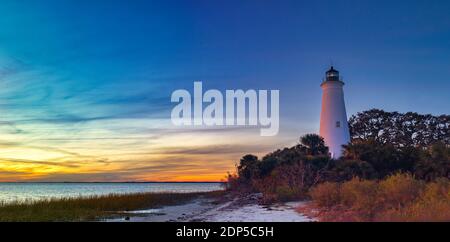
<point x="215" y="206"/>
<point x="223" y="209"/>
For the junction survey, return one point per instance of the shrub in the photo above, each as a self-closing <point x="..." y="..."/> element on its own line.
<point x="398" y="190"/>
<point x="360" y="195"/>
<point x="326" y="194"/>
<point x="433" y="204"/>
<point x="283" y="184"/>
<point x="286" y="193"/>
<point x="399" y="197"/>
<point x="238" y="185"/>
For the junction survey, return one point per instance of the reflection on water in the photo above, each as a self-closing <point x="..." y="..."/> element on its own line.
<point x="36" y="191"/>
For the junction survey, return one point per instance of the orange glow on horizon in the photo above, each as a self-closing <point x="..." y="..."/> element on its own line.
<point x="104" y="156"/>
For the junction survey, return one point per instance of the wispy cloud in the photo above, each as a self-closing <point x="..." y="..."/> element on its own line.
<point x="86" y="97"/>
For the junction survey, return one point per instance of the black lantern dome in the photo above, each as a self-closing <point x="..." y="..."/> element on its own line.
<point x="332" y="75"/>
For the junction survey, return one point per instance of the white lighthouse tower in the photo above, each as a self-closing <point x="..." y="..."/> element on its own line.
<point x="333" y="118"/>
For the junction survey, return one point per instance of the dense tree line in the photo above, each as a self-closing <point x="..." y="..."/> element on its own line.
<point x="400" y="129"/>
<point x="382" y="144"/>
<point x="285" y="173"/>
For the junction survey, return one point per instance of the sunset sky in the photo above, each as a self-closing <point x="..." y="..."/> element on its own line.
<point x="85" y="85"/>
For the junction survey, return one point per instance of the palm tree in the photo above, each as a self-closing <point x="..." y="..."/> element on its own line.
<point x="314" y="143"/>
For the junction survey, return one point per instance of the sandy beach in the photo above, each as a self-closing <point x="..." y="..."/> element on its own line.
<point x="244" y="209"/>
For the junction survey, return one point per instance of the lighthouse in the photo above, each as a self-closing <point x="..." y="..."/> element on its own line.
<point x="333" y="118"/>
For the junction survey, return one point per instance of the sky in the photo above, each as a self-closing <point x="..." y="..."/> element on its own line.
<point x="85" y="86"/>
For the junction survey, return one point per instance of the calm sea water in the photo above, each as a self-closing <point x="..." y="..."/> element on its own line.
<point x="36" y="191"/>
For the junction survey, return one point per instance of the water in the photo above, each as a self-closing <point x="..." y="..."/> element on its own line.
<point x="10" y="192"/>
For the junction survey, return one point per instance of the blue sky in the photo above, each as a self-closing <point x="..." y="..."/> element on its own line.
<point x="85" y="85"/>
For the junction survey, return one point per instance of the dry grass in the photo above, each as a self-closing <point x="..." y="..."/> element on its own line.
<point x="397" y="198"/>
<point x="91" y="208"/>
<point x="326" y="194"/>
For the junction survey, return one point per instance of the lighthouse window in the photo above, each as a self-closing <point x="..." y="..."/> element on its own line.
<point x="338" y="124"/>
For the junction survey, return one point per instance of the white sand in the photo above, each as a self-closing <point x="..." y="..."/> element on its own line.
<point x="231" y="211"/>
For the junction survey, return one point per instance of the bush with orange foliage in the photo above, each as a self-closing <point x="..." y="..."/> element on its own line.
<point x="431" y="204"/>
<point x="399" y="197"/>
<point x="398" y="190"/>
<point x="327" y="194"/>
<point x="285" y="183"/>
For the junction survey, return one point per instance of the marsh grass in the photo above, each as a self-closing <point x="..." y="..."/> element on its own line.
<point x="91" y="208"/>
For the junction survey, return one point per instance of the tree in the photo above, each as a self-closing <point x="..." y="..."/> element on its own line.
<point x="248" y="167"/>
<point x="400" y="129"/>
<point x="315" y="145"/>
<point x="345" y="170"/>
<point x="434" y="163"/>
<point x="357" y="149"/>
<point x="385" y="159"/>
